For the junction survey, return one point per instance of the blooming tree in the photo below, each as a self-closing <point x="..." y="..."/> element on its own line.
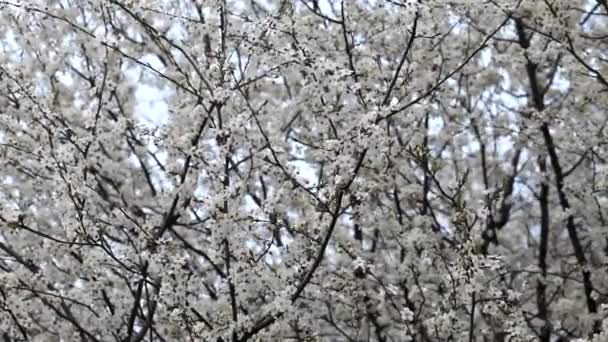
<point x="354" y="170"/>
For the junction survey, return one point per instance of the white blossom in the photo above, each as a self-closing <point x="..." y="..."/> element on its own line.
<point x="309" y="170"/>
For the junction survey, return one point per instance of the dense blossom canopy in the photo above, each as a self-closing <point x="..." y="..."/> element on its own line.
<point x="304" y="170"/>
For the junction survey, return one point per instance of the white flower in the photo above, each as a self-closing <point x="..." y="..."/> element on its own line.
<point x="341" y="181"/>
<point x="407" y="315"/>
